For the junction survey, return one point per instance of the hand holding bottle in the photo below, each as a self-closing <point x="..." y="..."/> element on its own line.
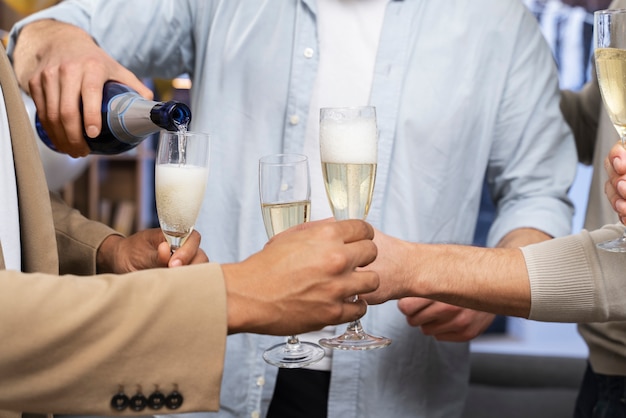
<point x="128" y="119"/>
<point x="65" y="66"/>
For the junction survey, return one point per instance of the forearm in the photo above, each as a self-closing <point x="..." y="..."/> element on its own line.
<point x="486" y="279"/>
<point x="172" y="320"/>
<point x="79" y="240"/>
<point x="490" y="280"/>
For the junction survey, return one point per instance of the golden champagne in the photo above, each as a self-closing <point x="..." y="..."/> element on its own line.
<point x="278" y="217"/>
<point x="611" y="69"/>
<point x="349" y="188"/>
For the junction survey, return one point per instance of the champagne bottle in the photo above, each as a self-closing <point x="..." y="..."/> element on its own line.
<point x="128" y="119"/>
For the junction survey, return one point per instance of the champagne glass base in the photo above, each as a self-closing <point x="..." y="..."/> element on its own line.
<point x="352" y="340"/>
<point x="291" y="356"/>
<point x="616" y="246"/>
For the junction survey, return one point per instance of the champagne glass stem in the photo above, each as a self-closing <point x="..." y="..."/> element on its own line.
<point x="293" y="343"/>
<point x="617" y="245"/>
<point x="175" y="245"/>
<point x="355" y="326"/>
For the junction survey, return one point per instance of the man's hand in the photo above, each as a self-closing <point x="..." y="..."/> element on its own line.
<point x="397" y="265"/>
<point x="58" y="64"/>
<point x="144" y="250"/>
<point x="402" y="267"/>
<point x="302" y="280"/>
<point x="443" y="321"/>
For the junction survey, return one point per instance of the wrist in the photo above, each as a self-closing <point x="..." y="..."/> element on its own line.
<point x="429" y="271"/>
<point x="106" y="254"/>
<point x="236" y="310"/>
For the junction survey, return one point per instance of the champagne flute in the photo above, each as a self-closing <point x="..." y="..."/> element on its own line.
<point x="285" y="192"/>
<point x="610" y="56"/>
<point x="349" y="152"/>
<point x="180" y="176"/>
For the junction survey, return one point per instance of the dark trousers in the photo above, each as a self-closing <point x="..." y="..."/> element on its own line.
<point x="601" y="396"/>
<point x="300" y="393"/>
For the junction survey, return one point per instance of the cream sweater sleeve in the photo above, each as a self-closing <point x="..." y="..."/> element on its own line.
<point x="571" y="280"/>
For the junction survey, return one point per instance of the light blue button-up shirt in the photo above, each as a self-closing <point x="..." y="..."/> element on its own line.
<point x="463" y="89"/>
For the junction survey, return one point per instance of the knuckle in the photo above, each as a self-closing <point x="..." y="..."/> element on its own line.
<point x="52" y="116"/>
<point x="92" y="66"/>
<point x="34" y="84"/>
<point x="329" y="231"/>
<point x="66" y="113"/>
<point x="49" y="73"/>
<point x="372" y="281"/>
<point x="91" y="87"/>
<point x="337" y="262"/>
<point x="334" y="313"/>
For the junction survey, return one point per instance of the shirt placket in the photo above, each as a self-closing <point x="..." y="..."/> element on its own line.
<point x="391" y="62"/>
<point x="305" y="61"/>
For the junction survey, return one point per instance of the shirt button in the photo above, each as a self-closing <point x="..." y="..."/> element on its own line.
<point x="260" y="381"/>
<point x="255" y="414"/>
<point x="308" y="52"/>
<point x="294" y="119"/>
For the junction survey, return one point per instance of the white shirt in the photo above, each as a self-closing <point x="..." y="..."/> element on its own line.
<point x="9" y="227"/>
<point x="348" y="32"/>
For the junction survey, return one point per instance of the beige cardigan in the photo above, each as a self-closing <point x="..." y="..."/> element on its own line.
<point x="68" y="343"/>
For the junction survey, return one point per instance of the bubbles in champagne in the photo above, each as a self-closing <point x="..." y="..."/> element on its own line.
<point x="179" y="194"/>
<point x="349" y="141"/>
<point x="611" y="67"/>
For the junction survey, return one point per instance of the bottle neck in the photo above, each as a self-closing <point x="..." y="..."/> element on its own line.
<point x="172" y="115"/>
<point x="139" y="117"/>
